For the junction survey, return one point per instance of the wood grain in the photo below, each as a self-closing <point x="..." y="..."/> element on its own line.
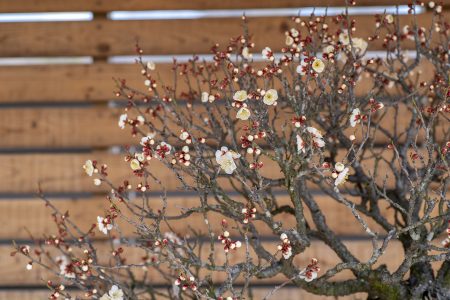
<point x="94" y="82"/>
<point x="31" y="216"/>
<point x="63" y="173"/>
<point x="110" y="5"/>
<point x="63" y="127"/>
<point x="97" y="127"/>
<point x="105" y="37"/>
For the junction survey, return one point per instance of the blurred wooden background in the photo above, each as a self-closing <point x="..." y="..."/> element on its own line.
<point x="56" y="113"/>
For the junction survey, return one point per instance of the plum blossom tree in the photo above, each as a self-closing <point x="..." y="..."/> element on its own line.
<point x="325" y="117"/>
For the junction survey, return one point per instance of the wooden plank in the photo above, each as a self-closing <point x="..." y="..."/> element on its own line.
<point x="63" y="127"/>
<point x="258" y="293"/>
<point x="110" y="5"/>
<point x="94" y="82"/>
<point x="31" y="216"/>
<point x="97" y="127"/>
<point x="105" y="37"/>
<point x="12" y="269"/>
<point x="63" y="173"/>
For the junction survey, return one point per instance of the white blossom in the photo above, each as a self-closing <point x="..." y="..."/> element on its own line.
<point x="328" y="49"/>
<point x="289" y="40"/>
<point x="318" y="66"/>
<point x="140" y="156"/>
<point x="300" y="67"/>
<point x="342" y="177"/>
<point x="319" y="142"/>
<point x="184" y="135"/>
<point x="285" y="247"/>
<point x="389" y="19"/>
<point x="135" y="164"/>
<point x="151" y="66"/>
<point x="339" y="167"/>
<point x="270" y="97"/>
<point x="243" y="114"/>
<point x="355" y="117"/>
<point x="103" y="225"/>
<point x="294" y="32"/>
<point x="225" y="158"/>
<point x="148" y="138"/>
<point x="300" y="144"/>
<point x="317" y="136"/>
<point x="360" y="45"/>
<point x="164" y="149"/>
<point x="205" y="97"/>
<point x="246" y="53"/>
<point x="314" y="132"/>
<point x="114" y="294"/>
<point x="122" y="120"/>
<point x="309" y="279"/>
<point x="287" y="253"/>
<point x="344" y="38"/>
<point x="267" y="53"/>
<point x="63" y="262"/>
<point x="89" y="167"/>
<point x="240" y="96"/>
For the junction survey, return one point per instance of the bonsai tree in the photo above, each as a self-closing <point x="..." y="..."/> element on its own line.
<point x="257" y="139"/>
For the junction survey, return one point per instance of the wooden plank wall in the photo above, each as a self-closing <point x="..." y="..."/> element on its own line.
<point x="55" y="116"/>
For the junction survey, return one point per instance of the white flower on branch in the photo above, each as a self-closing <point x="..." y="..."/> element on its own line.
<point x="294" y="32"/>
<point x="301" y="68"/>
<point x="243" y="114"/>
<point x="205" y="97"/>
<point x="310" y="272"/>
<point x="300" y="144"/>
<point x="314" y="132"/>
<point x="389" y="19"/>
<point x="339" y="167"/>
<point x="135" y="164"/>
<point x="344" y="38"/>
<point x="289" y="40"/>
<point x="104" y="224"/>
<point x="267" y="54"/>
<point x="285" y="246"/>
<point x="318" y="66"/>
<point x="122" y="120"/>
<point x="341" y="177"/>
<point x="186" y="282"/>
<point x="225" y="158"/>
<point x="355" y="117"/>
<point x="228" y="243"/>
<point x="66" y="268"/>
<point x="360" y="45"/>
<point x="328" y="49"/>
<point x="249" y="214"/>
<point x="151" y="66"/>
<point x="246" y="53"/>
<point x="240" y="96"/>
<point x="270" y="97"/>
<point x="89" y="167"/>
<point x="114" y="294"/>
<point x="148" y="139"/>
<point x="163" y="149"/>
<point x="316" y="137"/>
